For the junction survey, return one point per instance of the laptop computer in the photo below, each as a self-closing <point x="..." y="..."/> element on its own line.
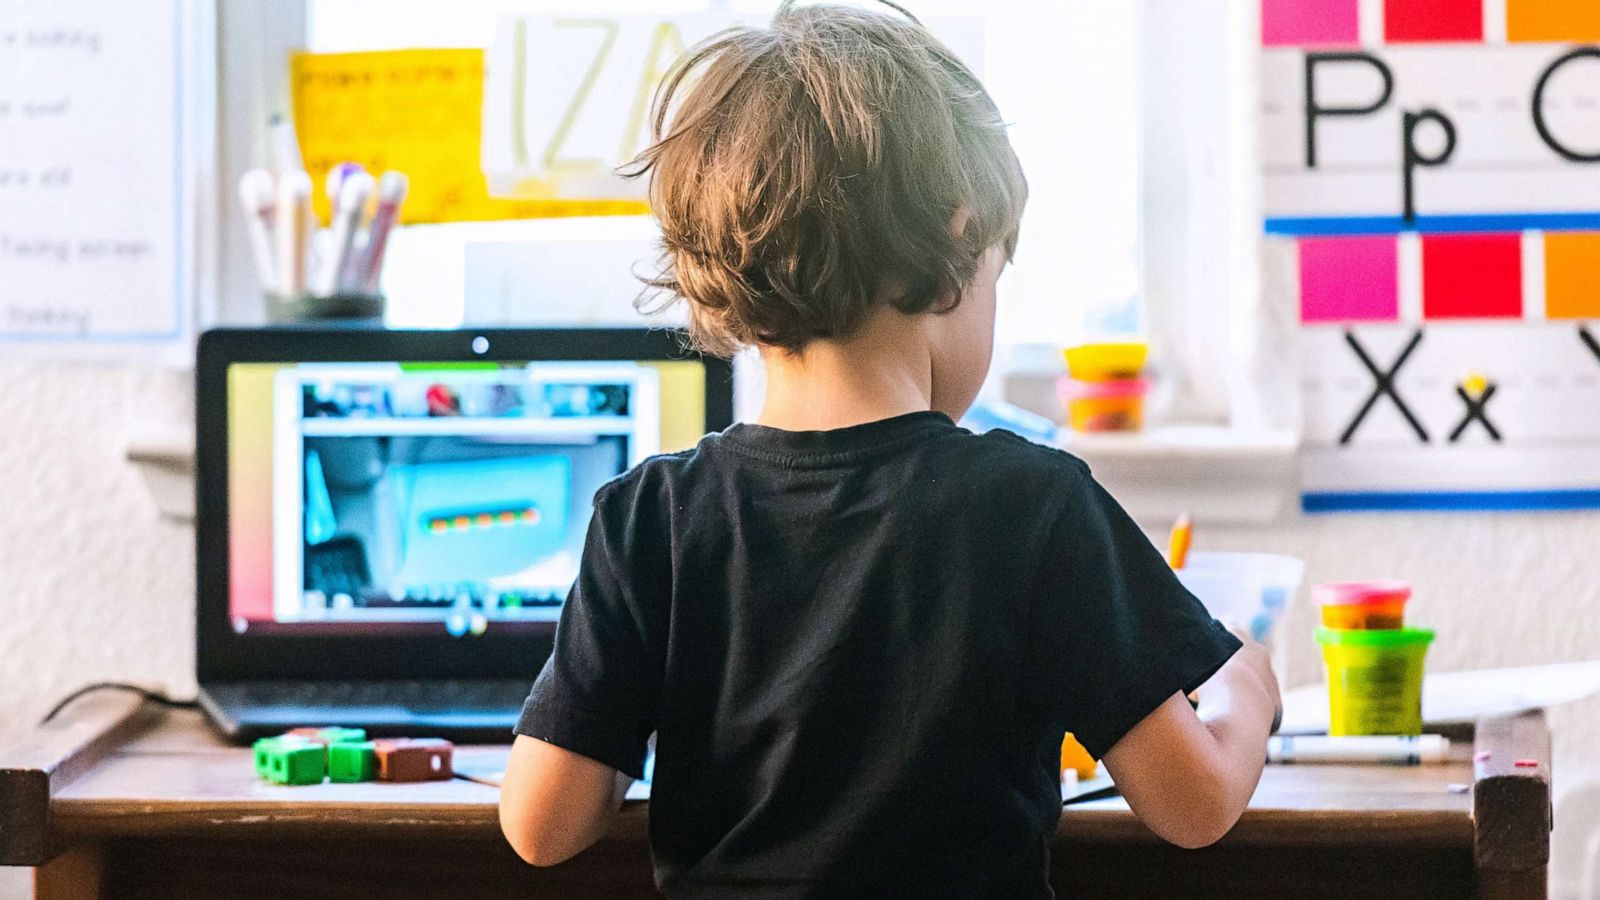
<point x="388" y="522"/>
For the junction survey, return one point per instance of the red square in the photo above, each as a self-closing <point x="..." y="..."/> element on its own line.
<point x="1432" y="20"/>
<point x="1472" y="276"/>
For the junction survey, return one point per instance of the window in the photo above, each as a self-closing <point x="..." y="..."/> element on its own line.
<point x="1066" y="74"/>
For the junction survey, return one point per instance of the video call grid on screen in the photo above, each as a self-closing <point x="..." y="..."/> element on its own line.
<point x="385" y="498"/>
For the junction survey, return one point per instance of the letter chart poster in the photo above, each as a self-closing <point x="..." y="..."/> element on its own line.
<point x="1432" y="205"/>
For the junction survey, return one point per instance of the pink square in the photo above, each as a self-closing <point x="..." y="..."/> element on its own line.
<point x="1350" y="279"/>
<point x="1301" y="22"/>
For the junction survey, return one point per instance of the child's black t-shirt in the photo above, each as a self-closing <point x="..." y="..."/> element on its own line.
<point x="859" y="650"/>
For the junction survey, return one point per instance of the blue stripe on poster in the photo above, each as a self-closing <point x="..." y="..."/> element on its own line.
<point x="1311" y="226"/>
<point x="1450" y="501"/>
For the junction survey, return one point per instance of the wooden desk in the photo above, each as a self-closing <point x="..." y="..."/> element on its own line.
<point x="165" y="809"/>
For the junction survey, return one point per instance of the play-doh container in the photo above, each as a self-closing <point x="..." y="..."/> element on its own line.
<point x="1095" y="407"/>
<point x="1107" y="360"/>
<point x="1362" y="605"/>
<point x="1374" y="679"/>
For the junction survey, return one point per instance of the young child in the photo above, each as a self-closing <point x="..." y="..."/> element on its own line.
<point x="857" y="630"/>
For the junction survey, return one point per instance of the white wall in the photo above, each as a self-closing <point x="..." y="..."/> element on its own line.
<point x="92" y="584"/>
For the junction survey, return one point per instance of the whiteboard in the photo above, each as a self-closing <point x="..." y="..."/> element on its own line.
<point x="95" y="237"/>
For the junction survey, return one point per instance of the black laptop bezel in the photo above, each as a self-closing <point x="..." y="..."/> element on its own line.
<point x="223" y="655"/>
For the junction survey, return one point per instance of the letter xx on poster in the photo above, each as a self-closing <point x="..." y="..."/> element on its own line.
<point x="1431" y="173"/>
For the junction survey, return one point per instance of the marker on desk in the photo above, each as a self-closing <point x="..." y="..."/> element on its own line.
<point x="1395" y="750"/>
<point x="352" y="200"/>
<point x="256" y="193"/>
<point x="294" y="215"/>
<point x="392" y="189"/>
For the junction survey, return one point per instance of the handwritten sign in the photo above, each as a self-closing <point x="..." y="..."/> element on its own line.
<point x="92" y="192"/>
<point x="568" y="99"/>
<point x="421" y="112"/>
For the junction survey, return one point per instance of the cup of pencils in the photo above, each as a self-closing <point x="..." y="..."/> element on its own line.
<point x="335" y="273"/>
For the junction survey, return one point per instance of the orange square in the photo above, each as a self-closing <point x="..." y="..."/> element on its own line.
<point x="1552" y="20"/>
<point x="1572" y="275"/>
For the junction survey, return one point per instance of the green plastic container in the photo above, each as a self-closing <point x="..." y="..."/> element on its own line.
<point x="1374" y="679"/>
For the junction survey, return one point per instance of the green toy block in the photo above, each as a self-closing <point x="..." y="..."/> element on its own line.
<point x="352" y="762"/>
<point x="267" y="751"/>
<point x="291" y="760"/>
<point x="329" y="736"/>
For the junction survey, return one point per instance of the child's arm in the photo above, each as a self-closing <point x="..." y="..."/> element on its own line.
<point x="584" y="729"/>
<point x="1189" y="776"/>
<point x="554" y="803"/>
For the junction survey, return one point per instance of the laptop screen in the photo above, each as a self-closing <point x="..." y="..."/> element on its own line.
<point x="414" y="499"/>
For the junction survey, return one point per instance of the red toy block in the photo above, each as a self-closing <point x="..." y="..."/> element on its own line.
<point x="414" y="759"/>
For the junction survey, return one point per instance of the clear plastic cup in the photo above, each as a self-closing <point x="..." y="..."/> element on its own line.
<point x="1247" y="589"/>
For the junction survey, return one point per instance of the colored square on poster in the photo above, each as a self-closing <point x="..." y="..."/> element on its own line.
<point x="1472" y="276"/>
<point x="1349" y="279"/>
<point x="1572" y="275"/>
<point x="1296" y="23"/>
<point x="1424" y="21"/>
<point x="1556" y="21"/>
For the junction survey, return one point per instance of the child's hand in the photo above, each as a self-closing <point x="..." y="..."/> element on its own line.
<point x="1254" y="659"/>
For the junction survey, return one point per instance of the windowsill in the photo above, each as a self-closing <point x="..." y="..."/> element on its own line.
<point x="1222" y="475"/>
<point x="165" y="459"/>
<point x="1217" y="474"/>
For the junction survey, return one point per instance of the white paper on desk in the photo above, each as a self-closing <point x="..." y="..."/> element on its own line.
<point x="1073" y="788"/>
<point x="1454" y="697"/>
<point x="494" y="775"/>
<point x="639" y="790"/>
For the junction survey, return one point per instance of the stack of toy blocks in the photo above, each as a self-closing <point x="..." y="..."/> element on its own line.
<point x="345" y="756"/>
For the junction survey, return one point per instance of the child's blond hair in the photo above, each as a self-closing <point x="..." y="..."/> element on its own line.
<point x="807" y="171"/>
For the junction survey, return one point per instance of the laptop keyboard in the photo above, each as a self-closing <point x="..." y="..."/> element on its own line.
<point x="418" y="696"/>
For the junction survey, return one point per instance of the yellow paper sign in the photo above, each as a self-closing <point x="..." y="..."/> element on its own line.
<point x="420" y="112"/>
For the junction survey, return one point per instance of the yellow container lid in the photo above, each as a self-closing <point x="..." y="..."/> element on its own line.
<point x="1107" y="361"/>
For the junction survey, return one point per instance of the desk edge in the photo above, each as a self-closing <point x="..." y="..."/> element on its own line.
<point x="49" y="758"/>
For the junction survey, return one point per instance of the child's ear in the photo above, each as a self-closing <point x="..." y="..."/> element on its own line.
<point x="958" y="222"/>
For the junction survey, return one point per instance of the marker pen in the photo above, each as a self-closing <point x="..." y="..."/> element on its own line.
<point x="1398" y="750"/>
<point x="353" y="192"/>
<point x="294" y="219"/>
<point x="256" y="195"/>
<point x="392" y="189"/>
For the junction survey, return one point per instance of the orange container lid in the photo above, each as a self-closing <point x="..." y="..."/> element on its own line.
<point x="1358" y="593"/>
